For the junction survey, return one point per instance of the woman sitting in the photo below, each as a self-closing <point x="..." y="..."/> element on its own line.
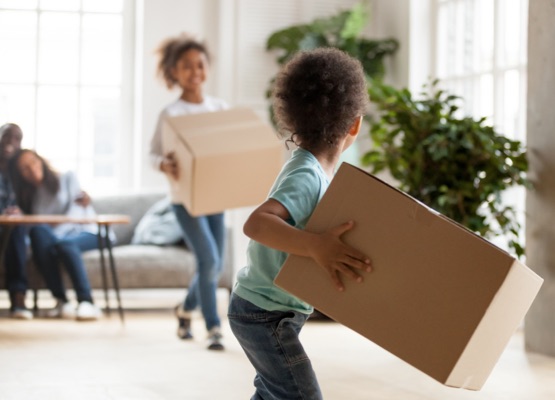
<point x="41" y="190"/>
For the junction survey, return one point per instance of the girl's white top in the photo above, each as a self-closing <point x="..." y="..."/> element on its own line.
<point x="177" y="108"/>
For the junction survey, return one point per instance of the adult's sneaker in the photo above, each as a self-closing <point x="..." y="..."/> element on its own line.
<point x="62" y="309"/>
<point x="21" y="313"/>
<point x="215" y="339"/>
<point x="87" y="311"/>
<point x="183" y="323"/>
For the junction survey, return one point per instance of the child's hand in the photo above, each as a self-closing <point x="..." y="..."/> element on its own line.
<point x="169" y="165"/>
<point x="336" y="257"/>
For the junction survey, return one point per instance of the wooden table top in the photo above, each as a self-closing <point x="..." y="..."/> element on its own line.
<point x="100" y="219"/>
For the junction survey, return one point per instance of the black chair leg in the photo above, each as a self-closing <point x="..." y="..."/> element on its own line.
<point x="35" y="300"/>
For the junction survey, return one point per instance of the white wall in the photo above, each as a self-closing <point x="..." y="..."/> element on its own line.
<point x="391" y="19"/>
<point x="540" y="218"/>
<point x="408" y="21"/>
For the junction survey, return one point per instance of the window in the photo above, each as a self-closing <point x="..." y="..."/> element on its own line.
<point x="481" y="56"/>
<point x="61" y="80"/>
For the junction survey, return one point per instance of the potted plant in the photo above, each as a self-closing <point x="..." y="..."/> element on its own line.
<point x="459" y="166"/>
<point x="342" y="31"/>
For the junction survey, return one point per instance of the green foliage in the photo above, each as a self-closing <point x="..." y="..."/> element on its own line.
<point x="342" y="31"/>
<point x="457" y="166"/>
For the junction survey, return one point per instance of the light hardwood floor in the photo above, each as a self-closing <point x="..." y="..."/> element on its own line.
<point x="143" y="360"/>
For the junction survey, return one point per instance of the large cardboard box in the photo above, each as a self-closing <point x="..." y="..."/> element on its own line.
<point x="227" y="159"/>
<point x="440" y="297"/>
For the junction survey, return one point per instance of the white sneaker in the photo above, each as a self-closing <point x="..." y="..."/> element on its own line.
<point x="21" y="313"/>
<point x="87" y="311"/>
<point x="62" y="310"/>
<point x="215" y="339"/>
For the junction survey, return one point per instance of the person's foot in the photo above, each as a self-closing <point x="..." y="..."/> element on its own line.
<point x="183" y="323"/>
<point x="215" y="339"/>
<point x="87" y="311"/>
<point x="18" y="310"/>
<point x="62" y="309"/>
<point x="20" y="313"/>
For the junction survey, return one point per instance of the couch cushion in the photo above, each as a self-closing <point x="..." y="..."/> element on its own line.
<point x="133" y="205"/>
<point x="151" y="266"/>
<point x="143" y="266"/>
<point x="158" y="226"/>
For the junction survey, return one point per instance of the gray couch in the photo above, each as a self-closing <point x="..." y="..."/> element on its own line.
<point x="147" y="266"/>
<point x="139" y="265"/>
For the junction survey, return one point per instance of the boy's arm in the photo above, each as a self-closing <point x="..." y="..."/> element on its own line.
<point x="268" y="225"/>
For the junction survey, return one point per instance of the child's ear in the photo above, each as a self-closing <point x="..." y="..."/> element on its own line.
<point x="355" y="127"/>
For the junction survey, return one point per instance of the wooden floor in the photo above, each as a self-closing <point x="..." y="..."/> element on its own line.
<point x="143" y="360"/>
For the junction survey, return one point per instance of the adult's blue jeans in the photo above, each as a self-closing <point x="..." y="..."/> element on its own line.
<point x="15" y="260"/>
<point x="270" y="339"/>
<point x="205" y="236"/>
<point x="49" y="252"/>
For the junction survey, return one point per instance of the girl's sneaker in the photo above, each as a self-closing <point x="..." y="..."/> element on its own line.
<point x="62" y="309"/>
<point x="183" y="323"/>
<point x="215" y="339"/>
<point x="87" y="311"/>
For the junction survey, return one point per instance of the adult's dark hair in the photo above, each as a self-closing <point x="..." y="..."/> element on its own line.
<point x="8" y="127"/>
<point x="171" y="50"/>
<point x="25" y="191"/>
<point x="318" y="95"/>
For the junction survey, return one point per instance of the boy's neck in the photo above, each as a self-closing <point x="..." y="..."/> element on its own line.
<point x="328" y="160"/>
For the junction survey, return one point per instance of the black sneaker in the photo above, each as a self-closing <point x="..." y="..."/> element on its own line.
<point x="215" y="339"/>
<point x="183" y="323"/>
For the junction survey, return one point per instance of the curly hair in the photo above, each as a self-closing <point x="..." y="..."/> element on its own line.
<point x="317" y="96"/>
<point x="171" y="50"/>
<point x="24" y="190"/>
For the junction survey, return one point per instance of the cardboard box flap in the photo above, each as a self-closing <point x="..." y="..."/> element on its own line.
<point x="207" y="133"/>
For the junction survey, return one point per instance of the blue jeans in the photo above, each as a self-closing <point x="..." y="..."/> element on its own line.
<point x="270" y="340"/>
<point x="15" y="260"/>
<point x="205" y="237"/>
<point x="49" y="251"/>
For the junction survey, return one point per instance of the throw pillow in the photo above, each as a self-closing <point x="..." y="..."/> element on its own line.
<point x="158" y="226"/>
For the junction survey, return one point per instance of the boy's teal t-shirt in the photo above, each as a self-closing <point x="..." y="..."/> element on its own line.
<point x="299" y="187"/>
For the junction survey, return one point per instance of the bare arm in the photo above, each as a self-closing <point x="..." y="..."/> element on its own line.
<point x="268" y="226"/>
<point x="167" y="163"/>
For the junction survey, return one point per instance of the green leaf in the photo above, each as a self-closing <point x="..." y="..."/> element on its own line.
<point x="312" y="41"/>
<point x="355" y="22"/>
